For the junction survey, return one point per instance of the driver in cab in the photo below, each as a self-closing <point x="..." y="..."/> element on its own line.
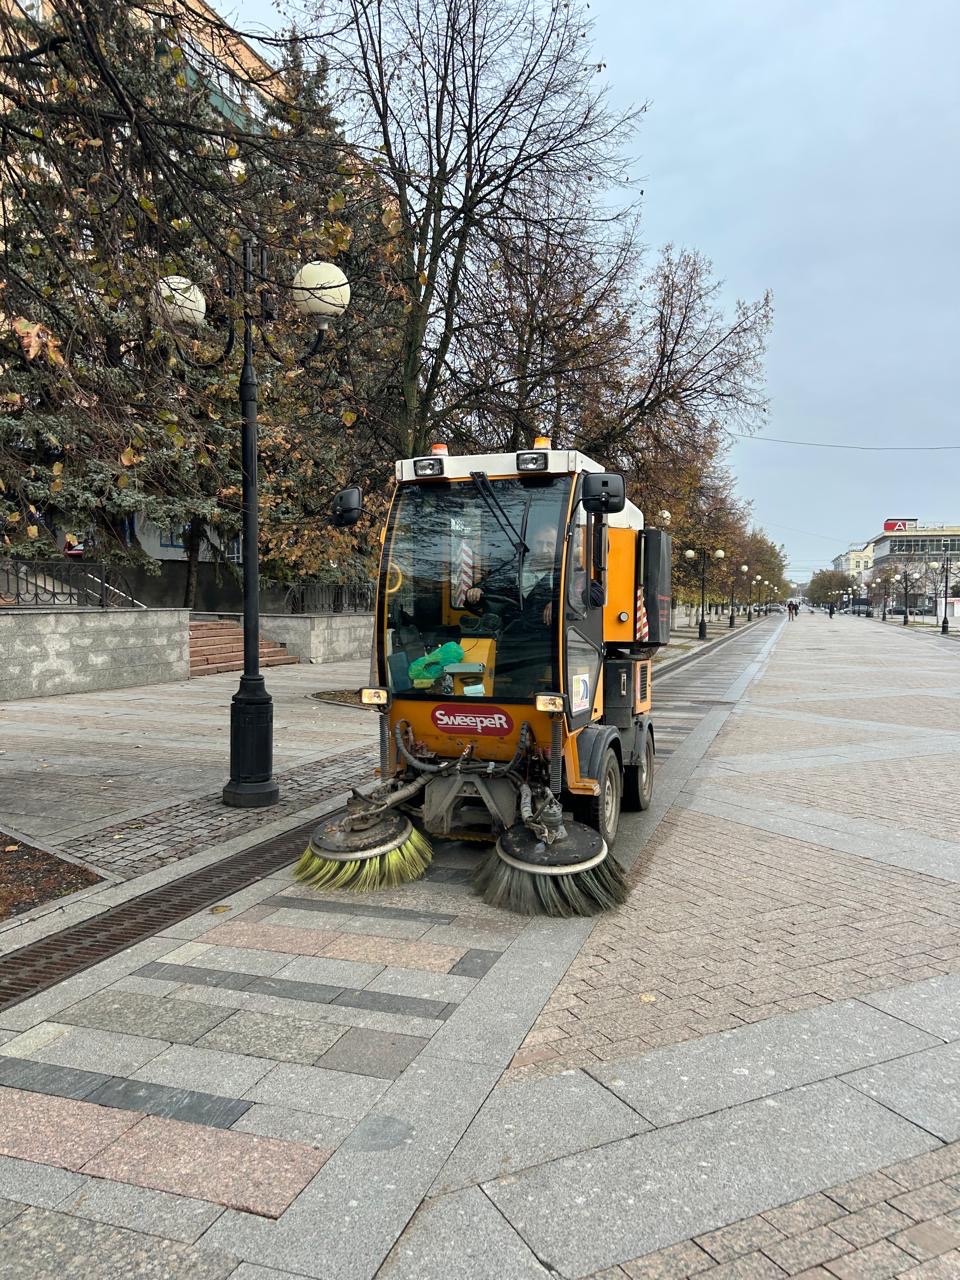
<point x="535" y="608"/>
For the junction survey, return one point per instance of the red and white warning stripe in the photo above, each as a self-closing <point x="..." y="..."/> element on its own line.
<point x="464" y="575"/>
<point x="643" y="630"/>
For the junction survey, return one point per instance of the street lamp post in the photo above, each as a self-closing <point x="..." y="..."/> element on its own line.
<point x="690" y="555"/>
<point x="733" y="587"/>
<point x="320" y="290"/>
<point x="902" y="577"/>
<point x="945" y="625"/>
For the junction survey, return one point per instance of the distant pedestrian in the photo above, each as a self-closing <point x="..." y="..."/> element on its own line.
<point x="831" y="609"/>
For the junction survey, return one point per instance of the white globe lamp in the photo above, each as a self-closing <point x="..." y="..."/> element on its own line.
<point x="178" y="300"/>
<point x="321" y="290"/>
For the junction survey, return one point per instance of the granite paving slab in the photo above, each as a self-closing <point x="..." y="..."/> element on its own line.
<point x="392" y="951"/>
<point x="33" y="1183"/>
<point x="372" y="1053"/>
<point x="384" y="1002"/>
<point x="186" y="1066"/>
<point x="167" y="1100"/>
<point x="89" y="1049"/>
<point x="699" y="1076"/>
<point x="333" y="973"/>
<point x="269" y="937"/>
<point x="9" y="1210"/>
<point x="299" y="898"/>
<point x="240" y="1170"/>
<point x="442" y="987"/>
<point x="459" y="935"/>
<point x="162" y="1018"/>
<point x="933" y="1005"/>
<point x="258" y="963"/>
<point x="334" y="1093"/>
<point x="293" y="1125"/>
<point x="273" y="1036"/>
<point x="57" y="1131"/>
<point x="348" y="1219"/>
<point x="460" y="1237"/>
<point x="47" y="1245"/>
<point x="635" y="1196"/>
<point x="522" y="1125"/>
<point x="475" y="963"/>
<point x="40" y="1077"/>
<point x="157" y="1212"/>
<point x="924" y="1087"/>
<point x="170" y="975"/>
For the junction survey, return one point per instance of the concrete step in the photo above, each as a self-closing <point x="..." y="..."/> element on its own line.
<point x="218" y="646"/>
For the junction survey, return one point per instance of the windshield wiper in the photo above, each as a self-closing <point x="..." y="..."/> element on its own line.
<point x="493" y="504"/>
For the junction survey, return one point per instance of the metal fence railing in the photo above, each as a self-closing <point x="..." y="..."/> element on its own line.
<point x="33" y="584"/>
<point x="327" y="597"/>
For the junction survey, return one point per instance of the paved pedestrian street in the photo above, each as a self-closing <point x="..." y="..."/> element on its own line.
<point x="751" y="1070"/>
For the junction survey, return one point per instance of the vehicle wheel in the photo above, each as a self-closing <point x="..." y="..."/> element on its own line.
<point x="602" y="812"/>
<point x="638" y="780"/>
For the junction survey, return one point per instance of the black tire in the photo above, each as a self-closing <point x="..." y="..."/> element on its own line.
<point x="638" y="780"/>
<point x="602" y="812"/>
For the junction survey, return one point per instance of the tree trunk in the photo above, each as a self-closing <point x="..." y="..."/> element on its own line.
<point x="194" y="540"/>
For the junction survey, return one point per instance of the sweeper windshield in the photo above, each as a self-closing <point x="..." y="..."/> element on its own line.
<point x="468" y="587"/>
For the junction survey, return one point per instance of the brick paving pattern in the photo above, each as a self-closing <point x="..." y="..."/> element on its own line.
<point x="157" y="839"/>
<point x="903" y="1221"/>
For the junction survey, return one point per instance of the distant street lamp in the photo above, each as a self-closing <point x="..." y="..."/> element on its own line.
<point x="690" y="555"/>
<point x="733" y="587"/>
<point x="664" y="517"/>
<point x="902" y="577"/>
<point x="320" y="290"/>
<point x="945" y="625"/>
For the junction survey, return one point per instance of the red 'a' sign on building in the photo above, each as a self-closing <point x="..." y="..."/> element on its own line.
<point x="894" y="525"/>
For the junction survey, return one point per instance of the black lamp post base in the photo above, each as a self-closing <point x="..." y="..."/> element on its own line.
<point x="732" y="622"/>
<point x="252" y="784"/>
<point x="944" y="628"/>
<point x="702" y="629"/>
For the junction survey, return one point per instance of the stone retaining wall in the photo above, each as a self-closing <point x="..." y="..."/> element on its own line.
<point x="48" y="651"/>
<point x="313" y="637"/>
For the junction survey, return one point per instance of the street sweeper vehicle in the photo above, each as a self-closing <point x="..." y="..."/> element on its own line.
<point x="519" y="605"/>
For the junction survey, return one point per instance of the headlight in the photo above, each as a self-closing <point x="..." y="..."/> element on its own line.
<point x="428" y="466"/>
<point x="374" y="697"/>
<point x="532" y="461"/>
<point x="551" y="702"/>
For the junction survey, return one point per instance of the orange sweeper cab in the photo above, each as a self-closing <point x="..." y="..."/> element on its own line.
<point x="520" y="602"/>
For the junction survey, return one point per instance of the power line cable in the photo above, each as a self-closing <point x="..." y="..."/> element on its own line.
<point x="859" y="448"/>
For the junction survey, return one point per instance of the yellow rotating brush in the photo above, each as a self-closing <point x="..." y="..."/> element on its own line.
<point x="352" y="851"/>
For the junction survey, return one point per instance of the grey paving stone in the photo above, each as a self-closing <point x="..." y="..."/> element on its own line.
<point x="288" y="990"/>
<point x="455" y="935"/>
<point x="442" y="987"/>
<point x="40" y="1077"/>
<point x="251" y="960"/>
<point x="490" y="1024"/>
<point x="476" y="963"/>
<point x="333" y="1093"/>
<point x="924" y="1087"/>
<point x="630" y="1198"/>
<point x="460" y="1237"/>
<point x="30" y="1183"/>
<point x="162" y="1018"/>
<point x="340" y="907"/>
<point x="294" y="1126"/>
<point x="7" y="1035"/>
<point x="186" y="1066"/>
<point x="266" y="1035"/>
<point x="700" y="1076"/>
<point x="195" y="974"/>
<point x="46" y="1245"/>
<point x="527" y="1124"/>
<point x="332" y="973"/>
<point x="89" y="1049"/>
<point x="345" y="1222"/>
<point x="383" y="1002"/>
<point x="314" y="1011"/>
<point x="156" y="1212"/>
<point x="174" y="1103"/>
<point x="9" y="1210"/>
<point x="372" y="1053"/>
<point x="933" y="1005"/>
<point x="250" y="1271"/>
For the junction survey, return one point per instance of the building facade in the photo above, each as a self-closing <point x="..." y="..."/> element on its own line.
<point x="855" y="562"/>
<point x="910" y="542"/>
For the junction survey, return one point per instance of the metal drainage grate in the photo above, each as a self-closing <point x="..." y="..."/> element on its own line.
<point x="42" y="964"/>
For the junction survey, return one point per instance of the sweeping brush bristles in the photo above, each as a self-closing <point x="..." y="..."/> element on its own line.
<point x="530" y="889"/>
<point x="362" y="871"/>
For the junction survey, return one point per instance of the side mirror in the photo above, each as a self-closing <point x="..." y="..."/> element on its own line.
<point x="347" y="507"/>
<point x="603" y="492"/>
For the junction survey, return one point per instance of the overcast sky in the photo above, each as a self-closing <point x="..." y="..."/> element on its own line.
<point x="811" y="148"/>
